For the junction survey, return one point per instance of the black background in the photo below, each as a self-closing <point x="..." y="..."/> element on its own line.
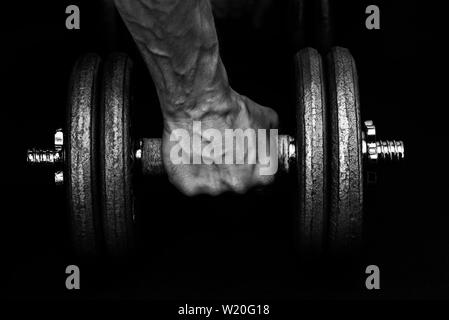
<point x="230" y="247"/>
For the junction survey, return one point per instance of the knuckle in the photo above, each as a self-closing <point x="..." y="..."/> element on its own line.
<point x="237" y="184"/>
<point x="189" y="190"/>
<point x="185" y="185"/>
<point x="240" y="188"/>
<point x="265" y="180"/>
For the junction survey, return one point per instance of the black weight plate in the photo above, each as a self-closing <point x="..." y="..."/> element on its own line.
<point x="81" y="147"/>
<point x="346" y="190"/>
<point x="311" y="150"/>
<point x="116" y="156"/>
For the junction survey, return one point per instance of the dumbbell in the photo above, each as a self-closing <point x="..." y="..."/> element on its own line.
<point x="100" y="156"/>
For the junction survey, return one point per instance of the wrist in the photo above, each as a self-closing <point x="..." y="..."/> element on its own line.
<point x="224" y="104"/>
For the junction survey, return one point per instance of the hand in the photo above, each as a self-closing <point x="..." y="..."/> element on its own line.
<point x="230" y="111"/>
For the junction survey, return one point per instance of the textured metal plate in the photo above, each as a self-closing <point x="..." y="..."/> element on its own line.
<point x="311" y="150"/>
<point x="346" y="214"/>
<point x="116" y="157"/>
<point x="81" y="151"/>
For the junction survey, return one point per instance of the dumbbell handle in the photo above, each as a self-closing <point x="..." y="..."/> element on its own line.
<point x="149" y="153"/>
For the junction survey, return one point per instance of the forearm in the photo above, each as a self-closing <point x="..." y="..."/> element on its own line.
<point x="178" y="41"/>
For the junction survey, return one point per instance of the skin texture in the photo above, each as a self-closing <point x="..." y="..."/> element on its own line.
<point x="178" y="41"/>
